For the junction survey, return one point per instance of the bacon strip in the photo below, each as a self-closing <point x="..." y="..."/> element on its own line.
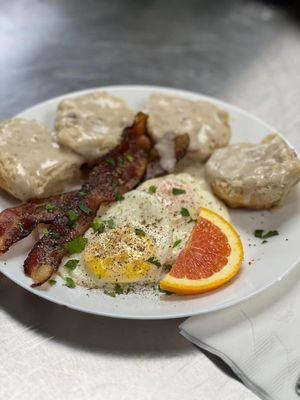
<point x="115" y="173"/>
<point x="18" y="222"/>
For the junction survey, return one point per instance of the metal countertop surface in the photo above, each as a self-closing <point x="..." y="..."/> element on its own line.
<point x="244" y="52"/>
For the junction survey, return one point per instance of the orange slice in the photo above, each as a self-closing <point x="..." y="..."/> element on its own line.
<point x="212" y="256"/>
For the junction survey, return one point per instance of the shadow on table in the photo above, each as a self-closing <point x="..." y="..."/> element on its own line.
<point x="94" y="333"/>
<point x="90" y="332"/>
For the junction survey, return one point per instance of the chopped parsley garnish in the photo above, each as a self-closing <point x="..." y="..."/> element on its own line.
<point x="164" y="291"/>
<point x="270" y="234"/>
<point x="119" y="197"/>
<point x="71" y="264"/>
<point x="70" y="283"/>
<point x="109" y="223"/>
<point x="258" y="233"/>
<point x="139" y="232"/>
<point x="177" y="191"/>
<point x="52" y="282"/>
<point x="184" y="212"/>
<point x="152" y="189"/>
<point x="111" y="161"/>
<point x="167" y="267"/>
<point x="118" y="289"/>
<point x="261" y="234"/>
<point x="129" y="157"/>
<point x="154" y="261"/>
<point x="264" y="241"/>
<point x="110" y="293"/>
<point x="76" y="245"/>
<point x="176" y="243"/>
<point x="72" y="218"/>
<point x="191" y="220"/>
<point x="54" y="235"/>
<point x="98" y="226"/>
<point x="85" y="209"/>
<point x="21" y="226"/>
<point x="48" y="207"/>
<point x="82" y="193"/>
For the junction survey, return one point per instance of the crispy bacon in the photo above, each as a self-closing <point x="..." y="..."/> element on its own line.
<point x="18" y="222"/>
<point x="114" y="174"/>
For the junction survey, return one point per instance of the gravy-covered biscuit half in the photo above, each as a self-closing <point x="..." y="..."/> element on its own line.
<point x="91" y="124"/>
<point x="32" y="163"/>
<point x="255" y="176"/>
<point x="207" y="125"/>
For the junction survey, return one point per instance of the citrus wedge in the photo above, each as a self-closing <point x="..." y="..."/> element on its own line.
<point x="212" y="256"/>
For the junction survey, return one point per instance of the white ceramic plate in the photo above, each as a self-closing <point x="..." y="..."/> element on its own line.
<point x="264" y="264"/>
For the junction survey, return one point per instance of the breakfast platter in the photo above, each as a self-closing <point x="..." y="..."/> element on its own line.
<point x="146" y="202"/>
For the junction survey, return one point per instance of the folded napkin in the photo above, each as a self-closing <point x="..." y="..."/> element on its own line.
<point x="258" y="339"/>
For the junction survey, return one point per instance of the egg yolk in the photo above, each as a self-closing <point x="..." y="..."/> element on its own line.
<point x="119" y="255"/>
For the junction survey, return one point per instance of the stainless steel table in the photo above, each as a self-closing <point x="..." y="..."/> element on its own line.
<point x="245" y="52"/>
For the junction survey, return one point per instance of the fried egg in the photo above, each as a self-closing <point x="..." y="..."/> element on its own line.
<point x="132" y="250"/>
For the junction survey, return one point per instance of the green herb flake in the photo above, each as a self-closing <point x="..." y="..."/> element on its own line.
<point x="129" y="157"/>
<point x="54" y="235"/>
<point x="167" y="267"/>
<point x="72" y="218"/>
<point x="258" y="233"/>
<point x="154" y="261"/>
<point x="261" y="234"/>
<point x="76" y="245"/>
<point x="82" y="193"/>
<point x="270" y="234"/>
<point x="177" y="191"/>
<point x="119" y="197"/>
<point x="152" y="189"/>
<point x="98" y="226"/>
<point x="48" y="207"/>
<point x="111" y="161"/>
<point x="109" y="223"/>
<point x="118" y="289"/>
<point x="176" y="243"/>
<point x="71" y="264"/>
<point x="52" y="282"/>
<point x="21" y="226"/>
<point x="184" y="212"/>
<point x="164" y="291"/>
<point x="69" y="283"/>
<point x="191" y="220"/>
<point x="85" y="209"/>
<point x="264" y="241"/>
<point x="110" y="293"/>
<point x="140" y="232"/>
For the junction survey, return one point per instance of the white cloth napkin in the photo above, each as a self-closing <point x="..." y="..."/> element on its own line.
<point x="258" y="339"/>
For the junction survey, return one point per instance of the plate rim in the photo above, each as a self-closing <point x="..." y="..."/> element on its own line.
<point x="141" y="88"/>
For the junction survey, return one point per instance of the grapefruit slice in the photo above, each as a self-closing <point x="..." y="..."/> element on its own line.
<point x="212" y="256"/>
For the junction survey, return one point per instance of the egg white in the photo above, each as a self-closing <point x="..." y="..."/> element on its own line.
<point x="138" y="210"/>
